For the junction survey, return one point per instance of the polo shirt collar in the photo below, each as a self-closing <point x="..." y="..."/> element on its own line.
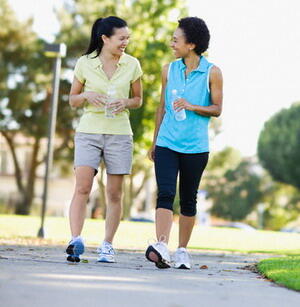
<point x="96" y="62"/>
<point x="202" y="67"/>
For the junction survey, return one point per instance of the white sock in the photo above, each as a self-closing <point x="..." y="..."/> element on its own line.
<point x="76" y="238"/>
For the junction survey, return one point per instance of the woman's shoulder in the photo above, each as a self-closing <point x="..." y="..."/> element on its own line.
<point x="210" y="65"/>
<point x="82" y="60"/>
<point x="167" y="67"/>
<point x="176" y="62"/>
<point x="130" y="59"/>
<point x="215" y="73"/>
<point x="91" y="57"/>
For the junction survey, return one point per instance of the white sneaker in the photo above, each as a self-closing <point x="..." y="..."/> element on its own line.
<point x="106" y="253"/>
<point x="182" y="259"/>
<point x="159" y="254"/>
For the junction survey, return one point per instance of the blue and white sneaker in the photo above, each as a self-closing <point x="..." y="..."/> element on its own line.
<point x="75" y="249"/>
<point x="106" y="253"/>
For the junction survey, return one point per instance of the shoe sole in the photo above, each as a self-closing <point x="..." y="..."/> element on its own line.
<point x="159" y="261"/>
<point x="182" y="267"/>
<point x="73" y="259"/>
<point x="105" y="260"/>
<point x="74" y="251"/>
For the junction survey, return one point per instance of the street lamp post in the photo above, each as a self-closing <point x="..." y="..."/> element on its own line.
<point x="56" y="51"/>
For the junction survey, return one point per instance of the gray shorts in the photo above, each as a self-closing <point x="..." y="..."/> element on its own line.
<point x="115" y="150"/>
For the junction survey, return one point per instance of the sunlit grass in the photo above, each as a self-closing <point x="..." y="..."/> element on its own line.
<point x="134" y="235"/>
<point x="283" y="270"/>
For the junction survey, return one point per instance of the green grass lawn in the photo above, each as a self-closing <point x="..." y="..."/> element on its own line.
<point x="134" y="235"/>
<point x="284" y="271"/>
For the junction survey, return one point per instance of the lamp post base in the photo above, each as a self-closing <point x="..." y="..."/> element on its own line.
<point x="41" y="233"/>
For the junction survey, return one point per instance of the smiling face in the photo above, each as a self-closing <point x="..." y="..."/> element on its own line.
<point x="118" y="42"/>
<point x="179" y="45"/>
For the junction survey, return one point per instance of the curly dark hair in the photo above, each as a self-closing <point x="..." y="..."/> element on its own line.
<point x="196" y="32"/>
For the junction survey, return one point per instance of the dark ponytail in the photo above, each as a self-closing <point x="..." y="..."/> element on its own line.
<point x="103" y="26"/>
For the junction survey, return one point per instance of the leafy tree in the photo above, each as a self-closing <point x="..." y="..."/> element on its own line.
<point x="236" y="193"/>
<point x="25" y="83"/>
<point x="19" y="59"/>
<point x="226" y="187"/>
<point x="282" y="204"/>
<point x="278" y="146"/>
<point x="222" y="161"/>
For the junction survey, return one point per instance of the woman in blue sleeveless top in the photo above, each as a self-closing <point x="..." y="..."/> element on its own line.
<point x="191" y="94"/>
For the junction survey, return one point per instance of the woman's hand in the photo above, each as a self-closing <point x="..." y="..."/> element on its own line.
<point x="151" y="153"/>
<point x="181" y="103"/>
<point x="118" y="106"/>
<point x="96" y="99"/>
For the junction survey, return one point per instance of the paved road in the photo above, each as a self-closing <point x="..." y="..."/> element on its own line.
<point x="39" y="276"/>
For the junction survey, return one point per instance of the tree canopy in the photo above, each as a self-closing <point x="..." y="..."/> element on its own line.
<point x="25" y="76"/>
<point x="235" y="193"/>
<point x="279" y="146"/>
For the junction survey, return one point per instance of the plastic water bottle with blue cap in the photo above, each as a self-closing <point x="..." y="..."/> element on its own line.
<point x="179" y="115"/>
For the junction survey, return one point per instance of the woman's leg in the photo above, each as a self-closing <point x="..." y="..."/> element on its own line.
<point x="186" y="225"/>
<point x="84" y="181"/>
<point x="166" y="170"/>
<point x="163" y="224"/>
<point x="191" y="167"/>
<point x="114" y="205"/>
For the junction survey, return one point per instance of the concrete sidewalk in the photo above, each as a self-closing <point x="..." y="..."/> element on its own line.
<point x="39" y="276"/>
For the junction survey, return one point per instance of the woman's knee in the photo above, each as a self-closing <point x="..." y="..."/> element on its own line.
<point x="83" y="189"/>
<point x="114" y="196"/>
<point x="84" y="180"/>
<point x="165" y="205"/>
<point x="188" y="208"/>
<point x="165" y="200"/>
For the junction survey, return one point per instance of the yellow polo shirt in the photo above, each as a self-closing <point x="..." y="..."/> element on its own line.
<point x="89" y="72"/>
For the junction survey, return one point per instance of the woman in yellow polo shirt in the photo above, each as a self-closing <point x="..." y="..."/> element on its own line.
<point x="104" y="78"/>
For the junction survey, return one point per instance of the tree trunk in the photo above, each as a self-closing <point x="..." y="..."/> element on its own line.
<point x="12" y="148"/>
<point x="131" y="193"/>
<point x="24" y="206"/>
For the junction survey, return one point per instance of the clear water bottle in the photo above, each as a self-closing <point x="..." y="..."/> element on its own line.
<point x="179" y="115"/>
<point x="111" y="97"/>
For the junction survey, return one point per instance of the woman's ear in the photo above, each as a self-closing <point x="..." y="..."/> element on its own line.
<point x="192" y="46"/>
<point x="104" y="38"/>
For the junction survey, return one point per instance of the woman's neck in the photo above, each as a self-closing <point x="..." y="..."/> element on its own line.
<point x="191" y="61"/>
<point x="106" y="56"/>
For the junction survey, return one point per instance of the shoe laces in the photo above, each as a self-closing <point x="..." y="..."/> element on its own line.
<point x="106" y="248"/>
<point x="182" y="255"/>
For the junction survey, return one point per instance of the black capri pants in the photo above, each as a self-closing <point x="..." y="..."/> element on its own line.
<point x="168" y="163"/>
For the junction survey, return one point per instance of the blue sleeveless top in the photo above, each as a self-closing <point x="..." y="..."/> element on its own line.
<point x="191" y="134"/>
